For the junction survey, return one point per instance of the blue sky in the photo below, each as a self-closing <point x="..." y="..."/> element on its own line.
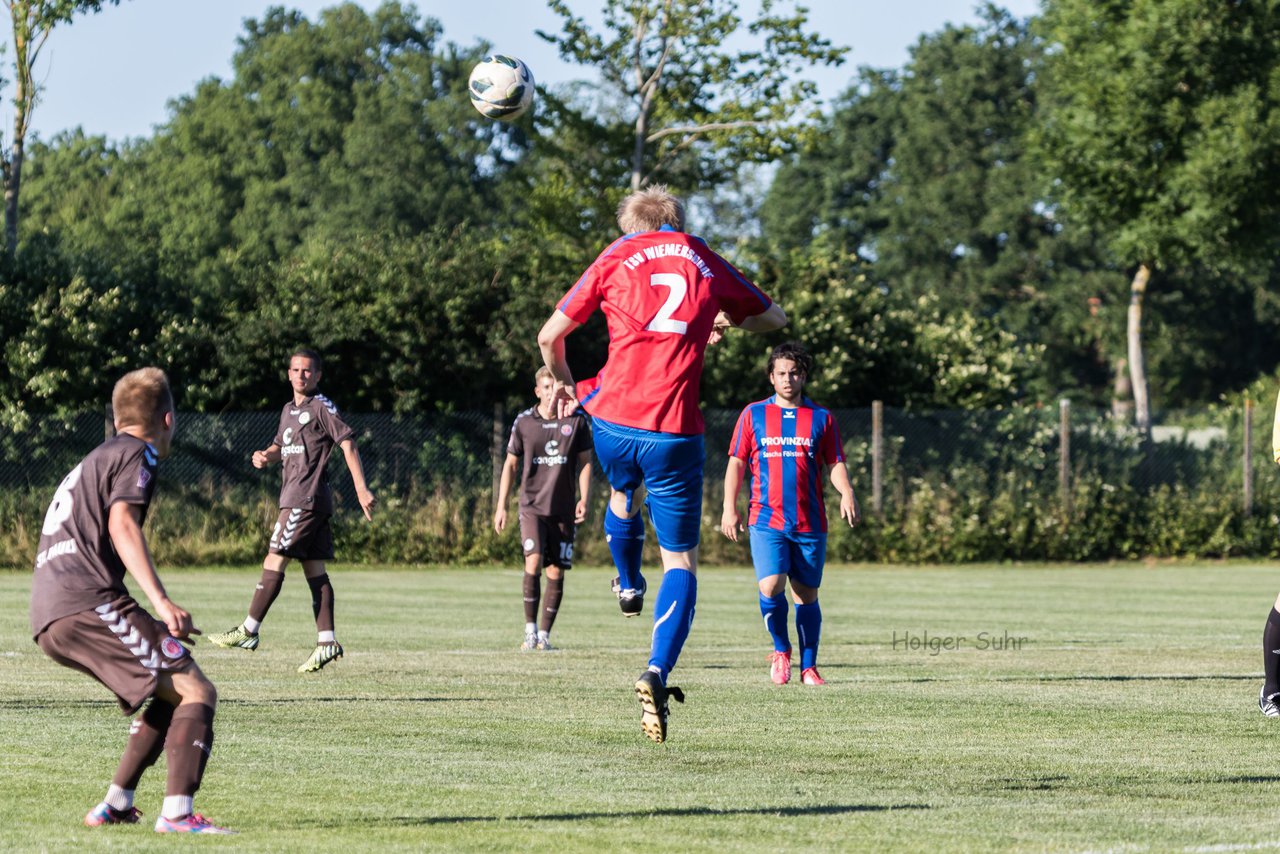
<point x="113" y="73"/>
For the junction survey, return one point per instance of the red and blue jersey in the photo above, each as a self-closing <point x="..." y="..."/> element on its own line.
<point x="660" y="292"/>
<point x="785" y="450"/>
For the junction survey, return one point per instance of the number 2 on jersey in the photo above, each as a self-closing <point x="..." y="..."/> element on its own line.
<point x="662" y="321"/>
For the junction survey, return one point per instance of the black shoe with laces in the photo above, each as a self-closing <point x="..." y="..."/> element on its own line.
<point x="630" y="600"/>
<point x="654" y="710"/>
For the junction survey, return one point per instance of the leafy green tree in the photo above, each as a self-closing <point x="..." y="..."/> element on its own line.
<point x="1162" y="131"/>
<point x="691" y="108"/>
<point x="33" y="21"/>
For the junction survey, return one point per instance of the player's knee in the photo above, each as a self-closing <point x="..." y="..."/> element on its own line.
<point x="554" y="573"/>
<point x="772" y="585"/>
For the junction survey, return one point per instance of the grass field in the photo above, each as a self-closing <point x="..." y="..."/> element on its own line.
<point x="1126" y="720"/>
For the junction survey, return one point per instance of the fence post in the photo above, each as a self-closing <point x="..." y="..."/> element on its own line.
<point x="877" y="456"/>
<point x="1248" y="462"/>
<point x="498" y="454"/>
<point x="109" y="423"/>
<point x="1064" y="454"/>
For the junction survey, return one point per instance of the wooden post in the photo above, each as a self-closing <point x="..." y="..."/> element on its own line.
<point x="1064" y="454"/>
<point x="1248" y="458"/>
<point x="109" y="423"/>
<point x="877" y="456"/>
<point x="498" y="449"/>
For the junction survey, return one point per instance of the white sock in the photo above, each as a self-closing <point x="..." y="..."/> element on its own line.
<point x="176" y="806"/>
<point x="543" y="635"/>
<point x="326" y="637"/>
<point x="530" y="628"/>
<point x="251" y="625"/>
<point x="118" y="798"/>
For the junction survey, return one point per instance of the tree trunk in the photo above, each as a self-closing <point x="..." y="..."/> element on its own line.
<point x="1137" y="366"/>
<point x="1121" y="391"/>
<point x="23" y="100"/>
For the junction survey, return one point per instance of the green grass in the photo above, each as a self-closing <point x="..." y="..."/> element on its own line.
<point x="1127" y="720"/>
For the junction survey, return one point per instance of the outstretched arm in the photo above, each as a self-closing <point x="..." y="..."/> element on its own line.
<point x="551" y="343"/>
<point x="124" y="525"/>
<point x="768" y="320"/>
<point x="363" y="495"/>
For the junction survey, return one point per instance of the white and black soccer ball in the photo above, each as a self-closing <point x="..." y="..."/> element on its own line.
<point x="501" y="87"/>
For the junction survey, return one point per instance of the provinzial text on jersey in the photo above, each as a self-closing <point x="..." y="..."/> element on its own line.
<point x="662" y="250"/>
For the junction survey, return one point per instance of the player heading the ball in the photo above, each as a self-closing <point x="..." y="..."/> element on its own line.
<point x="665" y="296"/>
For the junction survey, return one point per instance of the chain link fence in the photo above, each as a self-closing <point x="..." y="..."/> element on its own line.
<point x="403" y="455"/>
<point x="1053" y="462"/>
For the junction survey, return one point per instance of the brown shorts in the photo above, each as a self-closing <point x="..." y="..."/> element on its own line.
<point x="302" y="534"/>
<point x="120" y="645"/>
<point x="549" y="536"/>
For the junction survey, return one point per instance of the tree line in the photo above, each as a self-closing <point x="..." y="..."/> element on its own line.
<point x="1080" y="204"/>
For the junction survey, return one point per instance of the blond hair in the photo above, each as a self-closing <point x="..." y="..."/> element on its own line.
<point x="141" y="398"/>
<point x="543" y="372"/>
<point x="649" y="210"/>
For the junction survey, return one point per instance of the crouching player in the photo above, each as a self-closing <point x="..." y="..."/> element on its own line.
<point x="83" y="617"/>
<point x="786" y="440"/>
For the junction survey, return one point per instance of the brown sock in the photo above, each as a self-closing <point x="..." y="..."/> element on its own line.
<point x="551" y="602"/>
<point x="266" y="592"/>
<point x="532" y="592"/>
<point x="146" y="741"/>
<point x="187" y="747"/>
<point x="322" y="601"/>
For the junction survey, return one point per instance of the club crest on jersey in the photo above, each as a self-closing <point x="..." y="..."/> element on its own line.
<point x="144" y="477"/>
<point x="565" y="430"/>
<point x="304" y="418"/>
<point x="172" y="649"/>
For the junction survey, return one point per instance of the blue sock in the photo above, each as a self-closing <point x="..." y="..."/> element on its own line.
<point x="626" y="544"/>
<point x="774" y="611"/>
<point x="672" y="617"/>
<point x="809" y="627"/>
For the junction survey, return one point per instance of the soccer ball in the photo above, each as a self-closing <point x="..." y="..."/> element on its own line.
<point x="501" y="87"/>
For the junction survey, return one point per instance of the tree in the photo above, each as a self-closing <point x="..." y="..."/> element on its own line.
<point x="923" y="172"/>
<point x="1162" y="131"/>
<point x="693" y="109"/>
<point x="33" y="22"/>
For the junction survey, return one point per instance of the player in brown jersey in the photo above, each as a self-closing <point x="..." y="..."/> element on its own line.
<point x="553" y="450"/>
<point x="310" y="427"/>
<point x="83" y="617"/>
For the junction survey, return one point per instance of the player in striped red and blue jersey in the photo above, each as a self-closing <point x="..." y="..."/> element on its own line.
<point x="786" y="441"/>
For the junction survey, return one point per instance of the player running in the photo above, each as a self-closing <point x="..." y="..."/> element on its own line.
<point x="552" y="448"/>
<point x="786" y="440"/>
<point x="310" y="427"/>
<point x="1269" y="694"/>
<point x="665" y="295"/>
<point x="83" y="617"/>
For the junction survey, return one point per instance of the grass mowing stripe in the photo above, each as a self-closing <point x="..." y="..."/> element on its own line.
<point x="1127" y="720"/>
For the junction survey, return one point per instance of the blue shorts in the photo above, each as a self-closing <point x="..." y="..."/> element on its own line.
<point x="800" y="556"/>
<point x="670" y="467"/>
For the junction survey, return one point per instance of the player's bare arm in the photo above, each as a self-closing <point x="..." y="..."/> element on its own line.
<point x="849" y="510"/>
<point x="551" y="343"/>
<point x="768" y="320"/>
<point x="124" y="525"/>
<point x="504" y="491"/>
<point x="363" y="495"/>
<point x="268" y="456"/>
<point x="730" y="519"/>
<point x="584" y="487"/>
